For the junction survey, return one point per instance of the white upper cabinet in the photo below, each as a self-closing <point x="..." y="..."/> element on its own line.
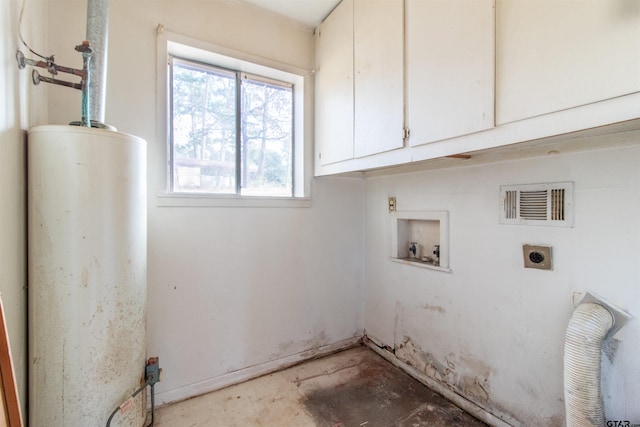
<point x="467" y="76"/>
<point x="556" y="55"/>
<point x="379" y="68"/>
<point x="334" y="86"/>
<point x="359" y="80"/>
<point x="450" y="68"/>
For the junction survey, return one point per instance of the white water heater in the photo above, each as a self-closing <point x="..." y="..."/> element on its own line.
<point x="87" y="275"/>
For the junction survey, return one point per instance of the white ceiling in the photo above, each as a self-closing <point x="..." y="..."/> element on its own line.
<point x="308" y="12"/>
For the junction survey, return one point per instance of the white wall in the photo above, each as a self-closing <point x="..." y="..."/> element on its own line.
<point x="491" y="330"/>
<point x="234" y="288"/>
<point x="23" y="106"/>
<point x="229" y="288"/>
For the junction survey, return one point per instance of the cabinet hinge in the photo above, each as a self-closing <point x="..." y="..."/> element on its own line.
<point x="405" y="133"/>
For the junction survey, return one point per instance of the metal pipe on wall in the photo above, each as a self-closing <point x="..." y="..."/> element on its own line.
<point x="98" y="35"/>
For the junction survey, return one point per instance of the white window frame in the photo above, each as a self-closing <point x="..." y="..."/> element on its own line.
<point x="196" y="50"/>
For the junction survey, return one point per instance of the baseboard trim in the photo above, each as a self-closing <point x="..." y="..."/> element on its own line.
<point x="236" y="377"/>
<point x="458" y="400"/>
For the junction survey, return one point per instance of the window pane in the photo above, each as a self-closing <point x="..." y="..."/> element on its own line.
<point x="203" y="110"/>
<point x="266" y="138"/>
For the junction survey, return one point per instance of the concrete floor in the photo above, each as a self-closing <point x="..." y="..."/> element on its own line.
<point x="355" y="387"/>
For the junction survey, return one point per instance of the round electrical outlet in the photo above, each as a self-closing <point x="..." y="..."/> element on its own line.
<point x="536" y="257"/>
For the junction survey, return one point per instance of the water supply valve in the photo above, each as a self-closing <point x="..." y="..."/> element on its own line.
<point x="49" y="64"/>
<point x="414" y="250"/>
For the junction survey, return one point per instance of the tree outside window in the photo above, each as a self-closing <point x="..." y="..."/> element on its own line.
<point x="232" y="132"/>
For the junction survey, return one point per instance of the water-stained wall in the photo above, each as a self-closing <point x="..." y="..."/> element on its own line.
<point x="491" y="330"/>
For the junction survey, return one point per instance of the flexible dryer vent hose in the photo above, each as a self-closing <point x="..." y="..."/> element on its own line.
<point x="588" y="326"/>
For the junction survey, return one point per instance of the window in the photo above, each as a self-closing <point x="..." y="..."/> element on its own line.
<point x="232" y="132"/>
<point x="234" y="127"/>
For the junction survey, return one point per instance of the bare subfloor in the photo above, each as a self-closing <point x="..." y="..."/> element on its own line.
<point x="355" y="388"/>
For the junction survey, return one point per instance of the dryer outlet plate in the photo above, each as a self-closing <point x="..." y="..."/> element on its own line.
<point x="536" y="256"/>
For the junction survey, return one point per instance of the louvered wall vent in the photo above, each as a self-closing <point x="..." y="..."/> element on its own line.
<point x="548" y="204"/>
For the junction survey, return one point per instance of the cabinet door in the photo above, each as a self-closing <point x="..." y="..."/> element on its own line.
<point x="378" y="62"/>
<point x="334" y="86"/>
<point x="554" y="55"/>
<point x="450" y="68"/>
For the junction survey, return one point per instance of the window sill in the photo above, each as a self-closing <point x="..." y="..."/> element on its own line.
<point x="229" y="201"/>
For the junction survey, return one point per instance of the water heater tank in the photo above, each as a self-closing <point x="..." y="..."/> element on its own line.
<point x="87" y="275"/>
